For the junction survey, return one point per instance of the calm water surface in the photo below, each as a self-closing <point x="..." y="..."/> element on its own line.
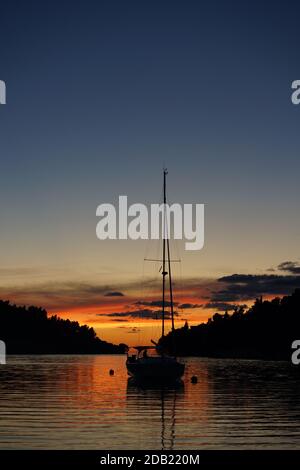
<point x="71" y="402"/>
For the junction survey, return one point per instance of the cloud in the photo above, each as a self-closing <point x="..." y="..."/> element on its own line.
<point x="236" y="288"/>
<point x="222" y="306"/>
<point x="289" y="266"/>
<point x="147" y="314"/>
<point x="185" y="306"/>
<point x="114" y="294"/>
<point x="120" y="319"/>
<point x="154" y="303"/>
<point x="20" y="271"/>
<point x="57" y="296"/>
<point x="249" y="286"/>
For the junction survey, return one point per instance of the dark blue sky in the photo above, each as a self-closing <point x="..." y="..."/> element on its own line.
<point x="100" y="95"/>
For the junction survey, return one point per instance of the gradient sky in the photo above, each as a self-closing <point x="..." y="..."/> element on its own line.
<point x="100" y="96"/>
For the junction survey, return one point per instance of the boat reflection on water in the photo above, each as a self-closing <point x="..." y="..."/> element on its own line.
<point x="162" y="402"/>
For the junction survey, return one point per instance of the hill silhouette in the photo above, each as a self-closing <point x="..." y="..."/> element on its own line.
<point x="29" y="330"/>
<point x="266" y="330"/>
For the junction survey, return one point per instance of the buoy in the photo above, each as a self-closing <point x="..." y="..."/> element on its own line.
<point x="194" y="379"/>
<point x="111" y="372"/>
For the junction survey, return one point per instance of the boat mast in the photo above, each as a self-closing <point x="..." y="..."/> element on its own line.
<point x="164" y="272"/>
<point x="170" y="285"/>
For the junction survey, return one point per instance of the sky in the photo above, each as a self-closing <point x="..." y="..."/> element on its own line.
<point x="101" y="95"/>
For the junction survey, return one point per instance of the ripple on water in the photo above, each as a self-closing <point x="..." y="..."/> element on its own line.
<point x="69" y="402"/>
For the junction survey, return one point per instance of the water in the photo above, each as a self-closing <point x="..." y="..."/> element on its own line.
<point x="71" y="402"/>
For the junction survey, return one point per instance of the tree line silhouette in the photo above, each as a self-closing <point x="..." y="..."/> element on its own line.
<point x="266" y="331"/>
<point x="29" y="330"/>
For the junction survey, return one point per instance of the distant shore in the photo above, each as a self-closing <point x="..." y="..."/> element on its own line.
<point x="29" y="331"/>
<point x="265" y="331"/>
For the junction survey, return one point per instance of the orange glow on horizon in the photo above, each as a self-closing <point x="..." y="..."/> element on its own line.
<point x="130" y="330"/>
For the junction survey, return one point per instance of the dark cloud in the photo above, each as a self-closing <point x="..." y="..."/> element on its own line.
<point x="184" y="306"/>
<point x="120" y="319"/>
<point x="158" y="303"/>
<point x="154" y="303"/>
<point x="291" y="267"/>
<point x="222" y="306"/>
<point x="114" y="294"/>
<point x="248" y="286"/>
<point x="147" y="313"/>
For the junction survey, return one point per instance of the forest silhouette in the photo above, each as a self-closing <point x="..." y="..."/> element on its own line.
<point x="265" y="331"/>
<point x="29" y="330"/>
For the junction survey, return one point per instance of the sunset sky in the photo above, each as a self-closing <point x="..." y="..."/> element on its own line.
<point x="99" y="99"/>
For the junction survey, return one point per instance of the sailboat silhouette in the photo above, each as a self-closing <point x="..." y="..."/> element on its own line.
<point x="161" y="368"/>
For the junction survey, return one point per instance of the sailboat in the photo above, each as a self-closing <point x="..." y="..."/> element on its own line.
<point x="160" y="368"/>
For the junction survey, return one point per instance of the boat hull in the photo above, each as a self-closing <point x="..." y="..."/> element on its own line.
<point x="153" y="371"/>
